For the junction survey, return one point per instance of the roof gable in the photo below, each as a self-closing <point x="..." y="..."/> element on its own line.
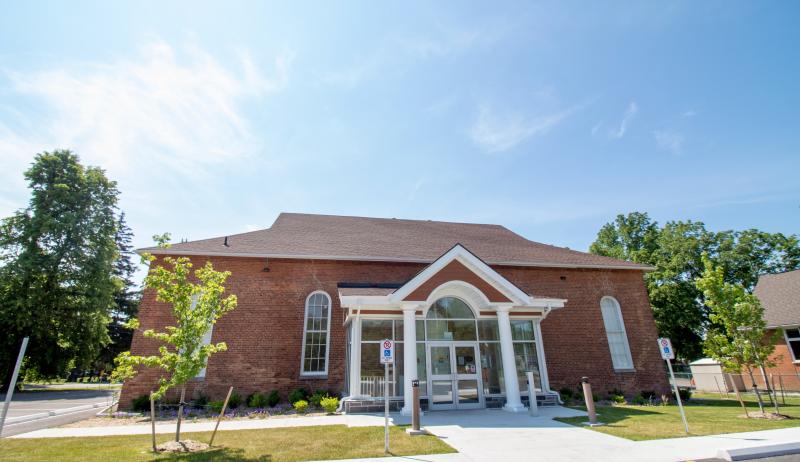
<point x="459" y="264"/>
<point x="456" y="271"/>
<point x="780" y="297"/>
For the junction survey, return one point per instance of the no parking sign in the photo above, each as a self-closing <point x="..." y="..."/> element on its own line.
<point x="387" y="352"/>
<point x="665" y="346"/>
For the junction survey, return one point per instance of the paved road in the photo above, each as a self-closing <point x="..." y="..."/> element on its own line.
<point x="38" y="402"/>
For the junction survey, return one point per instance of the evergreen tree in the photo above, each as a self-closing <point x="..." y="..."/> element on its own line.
<point x="126" y="298"/>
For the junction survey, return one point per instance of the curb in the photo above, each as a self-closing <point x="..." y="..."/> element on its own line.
<point x="58" y="412"/>
<point x="759" y="452"/>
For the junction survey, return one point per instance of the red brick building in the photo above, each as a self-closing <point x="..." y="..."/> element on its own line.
<point x="482" y="304"/>
<point x="780" y="297"/>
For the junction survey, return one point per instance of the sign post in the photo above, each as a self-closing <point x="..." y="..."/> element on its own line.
<point x="668" y="354"/>
<point x="387" y="357"/>
<point x="13" y="383"/>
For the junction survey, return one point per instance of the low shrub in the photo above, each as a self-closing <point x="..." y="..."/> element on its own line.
<point x="273" y="398"/>
<point x="566" y="393"/>
<point x="257" y="400"/>
<point x="617" y="399"/>
<point x="648" y="395"/>
<point x="330" y="404"/>
<point x="317" y="397"/>
<point x="201" y="400"/>
<point x="141" y="403"/>
<point x="216" y="406"/>
<point x="685" y="394"/>
<point x="297" y="395"/>
<point x="639" y="400"/>
<point x="235" y="400"/>
<point x="300" y="405"/>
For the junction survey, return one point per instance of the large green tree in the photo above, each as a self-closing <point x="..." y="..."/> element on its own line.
<point x="675" y="251"/>
<point x="126" y="299"/>
<point x="57" y="255"/>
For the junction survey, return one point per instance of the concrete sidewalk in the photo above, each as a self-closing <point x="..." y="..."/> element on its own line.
<point x="351" y="420"/>
<point x="488" y="434"/>
<point x="359" y="420"/>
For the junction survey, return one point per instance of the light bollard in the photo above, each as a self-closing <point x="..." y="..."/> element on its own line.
<point x="415" y="411"/>
<point x="587" y="396"/>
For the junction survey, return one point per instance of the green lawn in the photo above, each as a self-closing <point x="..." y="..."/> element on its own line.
<point x="707" y="414"/>
<point x="273" y="445"/>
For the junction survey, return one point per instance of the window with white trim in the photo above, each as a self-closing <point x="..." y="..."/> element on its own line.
<point x="615" y="331"/>
<point x="315" y="334"/>
<point x="793" y="341"/>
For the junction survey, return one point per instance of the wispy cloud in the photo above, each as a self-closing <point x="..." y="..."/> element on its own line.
<point x="446" y="40"/>
<point x="352" y="75"/>
<point x="416" y="187"/>
<point x="690" y="113"/>
<point x="500" y="132"/>
<point x="669" y="140"/>
<point x="163" y="109"/>
<point x="630" y="113"/>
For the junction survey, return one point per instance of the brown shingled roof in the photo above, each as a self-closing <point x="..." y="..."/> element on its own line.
<point x="780" y="296"/>
<point x="295" y="235"/>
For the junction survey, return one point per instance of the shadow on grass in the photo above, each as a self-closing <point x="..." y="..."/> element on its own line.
<point x="218" y="455"/>
<point x="609" y="415"/>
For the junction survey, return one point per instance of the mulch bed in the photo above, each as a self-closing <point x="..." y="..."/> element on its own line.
<point x="767" y="416"/>
<point x="182" y="446"/>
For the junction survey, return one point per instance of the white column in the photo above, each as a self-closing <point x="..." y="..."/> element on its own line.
<point x="513" y="401"/>
<point x="409" y="356"/>
<point x="355" y="357"/>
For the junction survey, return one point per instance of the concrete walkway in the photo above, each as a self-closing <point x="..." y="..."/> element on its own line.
<point x="360" y="420"/>
<point x="485" y="435"/>
<point x="488" y="435"/>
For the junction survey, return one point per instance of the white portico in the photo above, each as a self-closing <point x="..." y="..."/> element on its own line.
<point x="461" y="328"/>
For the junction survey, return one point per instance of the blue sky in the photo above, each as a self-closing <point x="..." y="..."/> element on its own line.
<point x="548" y="118"/>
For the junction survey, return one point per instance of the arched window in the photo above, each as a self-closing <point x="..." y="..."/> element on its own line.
<point x="450" y="308"/>
<point x="316" y="328"/>
<point x="449" y="318"/>
<point x="615" y="331"/>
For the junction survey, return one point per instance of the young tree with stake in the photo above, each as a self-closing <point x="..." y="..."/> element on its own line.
<point x="737" y="336"/>
<point x="196" y="306"/>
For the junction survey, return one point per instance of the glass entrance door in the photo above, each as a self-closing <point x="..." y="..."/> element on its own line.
<point x="454" y="382"/>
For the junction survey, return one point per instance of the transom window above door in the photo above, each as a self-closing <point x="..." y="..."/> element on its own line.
<point x="450" y="318"/>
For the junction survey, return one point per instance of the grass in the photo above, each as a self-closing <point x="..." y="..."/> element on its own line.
<point x="273" y="445"/>
<point x="707" y="414"/>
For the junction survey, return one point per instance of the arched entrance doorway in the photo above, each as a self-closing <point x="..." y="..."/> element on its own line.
<point x="453" y="356"/>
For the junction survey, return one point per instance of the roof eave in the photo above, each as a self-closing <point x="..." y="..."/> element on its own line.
<point x="159" y="251"/>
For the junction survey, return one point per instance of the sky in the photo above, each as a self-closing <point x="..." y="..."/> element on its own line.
<point x="549" y="118"/>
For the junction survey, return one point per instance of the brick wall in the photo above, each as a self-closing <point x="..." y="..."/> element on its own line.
<point x="264" y="333"/>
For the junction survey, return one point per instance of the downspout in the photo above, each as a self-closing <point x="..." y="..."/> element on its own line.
<point x="544" y="376"/>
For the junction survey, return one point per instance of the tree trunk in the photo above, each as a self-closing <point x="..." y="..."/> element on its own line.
<point x="755" y="390"/>
<point x="771" y="390"/>
<point x="153" y="421"/>
<point x="180" y="414"/>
